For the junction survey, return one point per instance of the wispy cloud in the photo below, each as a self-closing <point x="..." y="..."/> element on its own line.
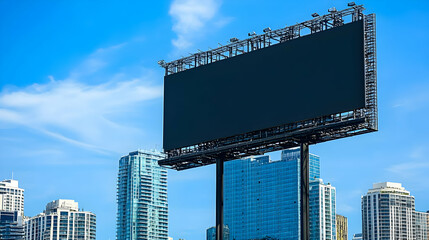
<point x="414" y="165"/>
<point x="75" y="112"/>
<point x="415" y="99"/>
<point x="85" y="115"/>
<point x="190" y="17"/>
<point x="95" y="61"/>
<point x="409" y="167"/>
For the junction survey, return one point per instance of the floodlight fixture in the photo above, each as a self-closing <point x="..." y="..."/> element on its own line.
<point x="332" y="10"/>
<point x="251" y="34"/>
<point x="315" y="15"/>
<point x="233" y="39"/>
<point x="268" y="29"/>
<point x="162" y="63"/>
<point x="351" y="4"/>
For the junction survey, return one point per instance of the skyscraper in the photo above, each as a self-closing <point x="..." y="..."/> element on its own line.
<point x="11" y="196"/>
<point x="211" y="233"/>
<point x="61" y="219"/>
<point x="142" y="197"/>
<point x="387" y="212"/>
<point x="262" y="197"/>
<point x="322" y="211"/>
<point x="342" y="227"/>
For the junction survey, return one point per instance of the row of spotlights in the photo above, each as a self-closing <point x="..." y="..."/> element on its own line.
<point x="333" y="9"/>
<point x="251" y="34"/>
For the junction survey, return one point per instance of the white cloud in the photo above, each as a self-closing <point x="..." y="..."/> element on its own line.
<point x="415" y="162"/>
<point x="409" y="168"/>
<point x="95" y="62"/>
<point x="74" y="112"/>
<point x="415" y="99"/>
<point x="89" y="116"/>
<point x="191" y="16"/>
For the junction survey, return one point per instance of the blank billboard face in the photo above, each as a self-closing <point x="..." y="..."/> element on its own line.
<point x="305" y="78"/>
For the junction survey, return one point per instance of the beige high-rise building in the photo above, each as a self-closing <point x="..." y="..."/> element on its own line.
<point x="11" y="196"/>
<point x="342" y="227"/>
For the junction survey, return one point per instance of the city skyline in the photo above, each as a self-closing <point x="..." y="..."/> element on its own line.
<point x="80" y="87"/>
<point x="417" y="223"/>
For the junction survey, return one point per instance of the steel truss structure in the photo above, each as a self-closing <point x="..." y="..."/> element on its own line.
<point x="312" y="131"/>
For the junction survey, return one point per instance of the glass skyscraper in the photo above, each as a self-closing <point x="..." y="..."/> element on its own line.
<point x="262" y="197"/>
<point x="323" y="224"/>
<point x="211" y="233"/>
<point x="142" y="197"/>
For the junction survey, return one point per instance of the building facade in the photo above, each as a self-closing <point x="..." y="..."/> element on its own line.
<point x="142" y="197"/>
<point x="262" y="197"/>
<point x="11" y="196"/>
<point x="421" y="225"/>
<point x="11" y="227"/>
<point x="211" y="233"/>
<point x="322" y="211"/>
<point x="387" y="212"/>
<point x="342" y="227"/>
<point x="61" y="220"/>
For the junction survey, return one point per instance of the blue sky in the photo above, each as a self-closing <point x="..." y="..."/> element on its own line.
<point x="80" y="87"/>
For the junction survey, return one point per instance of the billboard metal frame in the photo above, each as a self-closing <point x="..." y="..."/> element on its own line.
<point x="312" y="131"/>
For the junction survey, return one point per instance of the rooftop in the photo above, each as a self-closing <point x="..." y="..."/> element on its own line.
<point x="9" y="183"/>
<point x="62" y="204"/>
<point x="388" y="187"/>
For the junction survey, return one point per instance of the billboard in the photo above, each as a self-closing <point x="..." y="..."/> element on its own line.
<point x="305" y="78"/>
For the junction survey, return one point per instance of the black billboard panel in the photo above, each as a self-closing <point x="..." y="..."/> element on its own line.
<point x="305" y="78"/>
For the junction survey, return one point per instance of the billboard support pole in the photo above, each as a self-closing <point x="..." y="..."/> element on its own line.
<point x="305" y="196"/>
<point x="219" y="199"/>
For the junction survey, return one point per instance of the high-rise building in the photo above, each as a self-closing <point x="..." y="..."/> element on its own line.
<point x="11" y="227"/>
<point x="322" y="211"/>
<point x="11" y="196"/>
<point x="357" y="236"/>
<point x="387" y="212"/>
<point x="342" y="227"/>
<point x="62" y="219"/>
<point x="262" y="197"/>
<point x="142" y="197"/>
<point x="211" y="233"/>
<point x="421" y="225"/>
